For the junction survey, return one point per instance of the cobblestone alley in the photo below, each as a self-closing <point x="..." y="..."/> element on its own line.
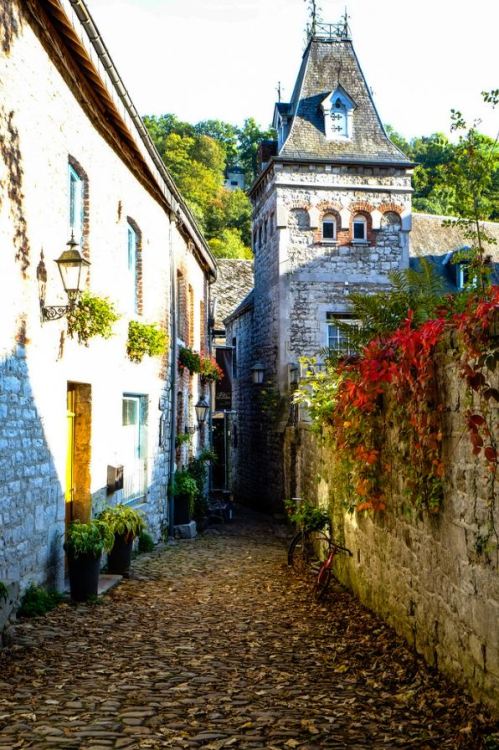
<point x="213" y="644"/>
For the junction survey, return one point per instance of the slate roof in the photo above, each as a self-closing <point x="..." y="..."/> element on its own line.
<point x="429" y="237"/>
<point x="327" y="64"/>
<point x="233" y="284"/>
<point x="436" y="243"/>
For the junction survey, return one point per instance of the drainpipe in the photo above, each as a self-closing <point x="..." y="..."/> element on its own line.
<point x="173" y="374"/>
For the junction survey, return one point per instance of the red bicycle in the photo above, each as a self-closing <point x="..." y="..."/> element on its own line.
<point x="303" y="557"/>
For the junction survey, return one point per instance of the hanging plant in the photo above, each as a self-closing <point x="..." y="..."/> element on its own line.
<point x="188" y="359"/>
<point x="91" y="316"/>
<point x="209" y="370"/>
<point x="145" y="338"/>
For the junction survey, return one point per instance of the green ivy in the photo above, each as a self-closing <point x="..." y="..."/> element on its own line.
<point x="145" y="338"/>
<point x="4" y="592"/>
<point x="91" y="316"/>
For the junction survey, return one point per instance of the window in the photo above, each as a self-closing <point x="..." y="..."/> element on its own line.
<point x="329" y="227"/>
<point x="339" y="118"/>
<point x="76" y="204"/>
<point x="360" y="229"/>
<point x="134" y="447"/>
<point x="338" y="108"/>
<point x="132" y="269"/>
<point x="338" y="340"/>
<point x="181" y="307"/>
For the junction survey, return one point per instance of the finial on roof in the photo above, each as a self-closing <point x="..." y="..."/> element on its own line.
<point x="329" y="32"/>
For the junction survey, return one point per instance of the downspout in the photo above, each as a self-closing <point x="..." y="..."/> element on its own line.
<point x="173" y="376"/>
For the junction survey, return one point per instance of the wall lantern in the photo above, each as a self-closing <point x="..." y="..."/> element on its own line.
<point x="293" y="374"/>
<point x="202" y="408"/>
<point x="257" y="373"/>
<point x="73" y="269"/>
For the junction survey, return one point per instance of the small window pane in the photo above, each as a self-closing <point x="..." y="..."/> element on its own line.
<point x="359" y="229"/>
<point x="75" y="204"/>
<point x="329" y="229"/>
<point x="130" y="411"/>
<point x="338" y="341"/>
<point x="132" y="268"/>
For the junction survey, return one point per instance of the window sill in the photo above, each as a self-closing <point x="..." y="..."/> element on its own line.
<point x="360" y="242"/>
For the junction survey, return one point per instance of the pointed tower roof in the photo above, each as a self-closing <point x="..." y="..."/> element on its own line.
<point x="330" y="66"/>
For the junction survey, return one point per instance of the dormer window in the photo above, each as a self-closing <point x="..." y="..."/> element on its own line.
<point x="338" y="119"/>
<point x="329" y="228"/>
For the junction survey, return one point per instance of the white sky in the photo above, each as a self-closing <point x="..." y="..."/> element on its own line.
<point x="222" y="59"/>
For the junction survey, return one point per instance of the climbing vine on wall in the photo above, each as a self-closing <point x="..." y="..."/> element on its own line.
<point x="392" y="387"/>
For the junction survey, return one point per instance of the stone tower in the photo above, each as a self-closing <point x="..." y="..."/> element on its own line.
<point x="332" y="215"/>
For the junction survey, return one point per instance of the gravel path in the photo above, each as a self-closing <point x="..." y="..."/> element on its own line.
<point x="213" y="644"/>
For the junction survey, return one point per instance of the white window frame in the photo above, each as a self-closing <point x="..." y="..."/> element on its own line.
<point x="329" y="219"/>
<point x="75" y="204"/>
<point x="132" y="249"/>
<point x="359" y="219"/>
<point x="342" y="346"/>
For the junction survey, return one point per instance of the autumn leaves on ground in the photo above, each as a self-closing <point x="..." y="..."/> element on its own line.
<point x="214" y="644"/>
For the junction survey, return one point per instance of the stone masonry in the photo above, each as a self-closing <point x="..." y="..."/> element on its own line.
<point x="434" y="578"/>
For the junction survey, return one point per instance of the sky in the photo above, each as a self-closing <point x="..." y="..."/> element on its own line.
<point x="223" y="59"/>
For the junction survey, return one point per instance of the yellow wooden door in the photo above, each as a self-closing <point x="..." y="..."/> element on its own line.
<point x="70" y="453"/>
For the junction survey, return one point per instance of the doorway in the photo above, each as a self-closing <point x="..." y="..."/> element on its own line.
<point x="78" y="451"/>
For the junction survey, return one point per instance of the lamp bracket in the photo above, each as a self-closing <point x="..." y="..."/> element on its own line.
<point x="54" y="312"/>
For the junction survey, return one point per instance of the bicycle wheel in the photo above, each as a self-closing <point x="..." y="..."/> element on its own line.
<point x="301" y="552"/>
<point x="322" y="581"/>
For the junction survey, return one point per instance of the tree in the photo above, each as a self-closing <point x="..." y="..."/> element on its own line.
<point x="225" y="134"/>
<point x="250" y="137"/>
<point x="229" y="245"/>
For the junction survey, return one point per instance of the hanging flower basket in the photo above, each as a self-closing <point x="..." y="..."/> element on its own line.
<point x="188" y="359"/>
<point x="209" y="370"/>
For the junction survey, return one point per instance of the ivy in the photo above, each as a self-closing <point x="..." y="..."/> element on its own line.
<point x="392" y="388"/>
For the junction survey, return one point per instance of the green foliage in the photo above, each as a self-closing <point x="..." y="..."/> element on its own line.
<point x="455" y="179"/>
<point x="184" y="484"/>
<point x="229" y="245"/>
<point x="4" y="592"/>
<point x="88" y="538"/>
<point x="91" y="316"/>
<point x="37" y="601"/>
<point x="197" y="157"/>
<point x="419" y="290"/>
<point x="145" y="338"/>
<point x="123" y="520"/>
<point x="199" y="472"/>
<point x="306" y="516"/>
<point x="146" y="542"/>
<point x="183" y="438"/>
<point x="189" y="359"/>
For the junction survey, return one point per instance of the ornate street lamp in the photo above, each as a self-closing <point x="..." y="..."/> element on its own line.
<point x="202" y="408"/>
<point x="73" y="269"/>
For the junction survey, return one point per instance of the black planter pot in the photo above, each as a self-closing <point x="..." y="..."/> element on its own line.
<point x="182" y="510"/>
<point x="83" y="576"/>
<point x="120" y="557"/>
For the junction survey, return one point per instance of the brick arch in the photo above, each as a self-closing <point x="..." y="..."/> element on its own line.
<point x="325" y="206"/>
<point x="361" y="207"/>
<point x="394" y="208"/>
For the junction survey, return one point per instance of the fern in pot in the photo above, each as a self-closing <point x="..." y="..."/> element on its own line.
<point x="125" y="523"/>
<point x="84" y="545"/>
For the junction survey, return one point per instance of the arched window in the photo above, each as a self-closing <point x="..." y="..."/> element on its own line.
<point x="329" y="227"/>
<point x="339" y="118"/>
<point x="359" y="228"/>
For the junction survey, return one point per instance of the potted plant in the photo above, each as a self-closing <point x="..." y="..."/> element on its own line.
<point x="188" y="359"/>
<point x="185" y="491"/>
<point x="125" y="523"/>
<point x="209" y="370"/>
<point x="84" y="545"/>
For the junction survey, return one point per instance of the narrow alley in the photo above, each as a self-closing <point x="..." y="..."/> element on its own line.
<point x="214" y="644"/>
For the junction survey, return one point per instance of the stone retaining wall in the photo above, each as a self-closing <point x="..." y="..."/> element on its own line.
<point x="434" y="578"/>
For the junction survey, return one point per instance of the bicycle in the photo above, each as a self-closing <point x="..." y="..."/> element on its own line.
<point x="302" y="556"/>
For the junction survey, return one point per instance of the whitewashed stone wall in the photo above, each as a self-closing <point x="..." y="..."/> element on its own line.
<point x="42" y="126"/>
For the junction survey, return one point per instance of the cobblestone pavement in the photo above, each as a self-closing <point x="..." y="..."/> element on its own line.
<point x="213" y="644"/>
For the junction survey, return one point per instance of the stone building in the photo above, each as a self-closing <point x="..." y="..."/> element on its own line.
<point x="76" y="160"/>
<point x="332" y="214"/>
